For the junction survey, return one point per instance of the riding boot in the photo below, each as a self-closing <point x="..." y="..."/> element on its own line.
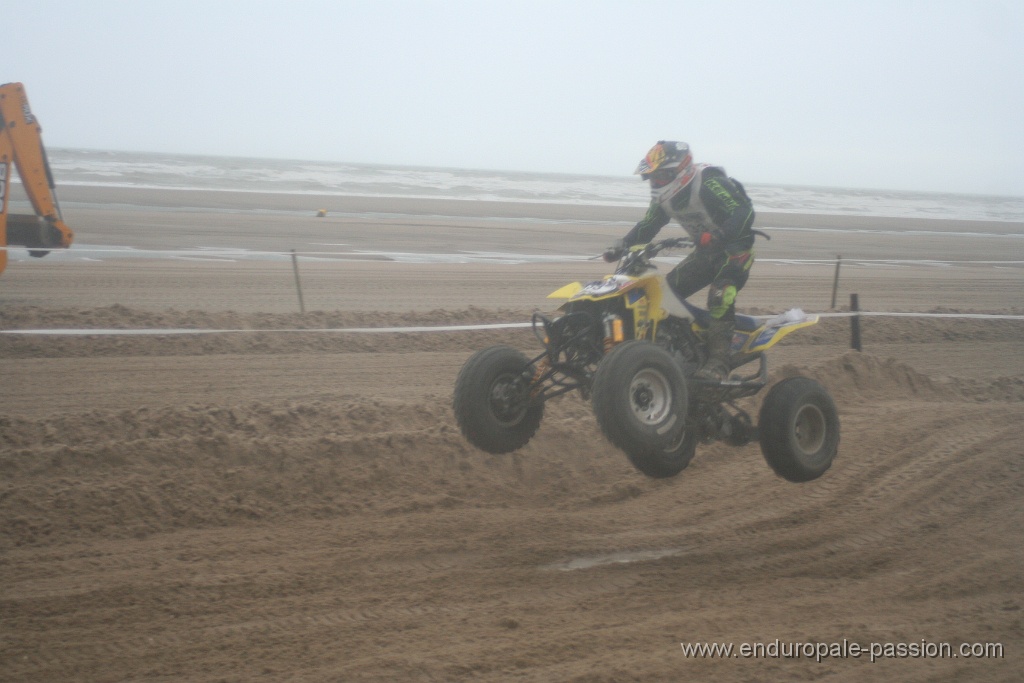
<point x="719" y="341"/>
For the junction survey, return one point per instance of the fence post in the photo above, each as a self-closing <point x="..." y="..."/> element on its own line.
<point x="298" y="283"/>
<point x="835" y="281"/>
<point x="854" y="323"/>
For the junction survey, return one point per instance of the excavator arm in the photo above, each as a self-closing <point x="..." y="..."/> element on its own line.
<point x="21" y="147"/>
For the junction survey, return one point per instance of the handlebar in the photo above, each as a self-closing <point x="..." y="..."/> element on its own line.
<point x="638" y="258"/>
<point x="672" y="243"/>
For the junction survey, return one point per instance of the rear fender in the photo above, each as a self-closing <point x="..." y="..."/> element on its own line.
<point x="772" y="332"/>
<point x="750" y="338"/>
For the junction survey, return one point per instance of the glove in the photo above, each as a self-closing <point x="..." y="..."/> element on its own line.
<point x="614" y="252"/>
<point x="611" y="255"/>
<point x="706" y="239"/>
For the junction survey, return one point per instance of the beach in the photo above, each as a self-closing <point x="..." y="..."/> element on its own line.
<point x="281" y="501"/>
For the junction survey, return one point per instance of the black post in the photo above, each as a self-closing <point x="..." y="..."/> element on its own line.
<point x="854" y="323"/>
<point x="835" y="281"/>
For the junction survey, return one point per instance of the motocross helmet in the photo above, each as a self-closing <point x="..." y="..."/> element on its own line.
<point x="669" y="167"/>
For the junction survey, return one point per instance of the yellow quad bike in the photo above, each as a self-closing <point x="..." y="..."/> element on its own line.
<point x="632" y="347"/>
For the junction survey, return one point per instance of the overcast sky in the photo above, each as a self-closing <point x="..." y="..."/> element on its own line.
<point x="891" y="94"/>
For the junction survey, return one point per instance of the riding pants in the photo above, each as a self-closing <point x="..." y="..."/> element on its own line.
<point x="726" y="273"/>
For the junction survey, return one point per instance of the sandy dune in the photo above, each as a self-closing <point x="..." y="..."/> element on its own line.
<point x="301" y="506"/>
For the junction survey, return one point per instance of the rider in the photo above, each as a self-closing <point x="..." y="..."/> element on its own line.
<point x="716" y="212"/>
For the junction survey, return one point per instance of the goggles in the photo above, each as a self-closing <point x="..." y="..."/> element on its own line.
<point x="661" y="177"/>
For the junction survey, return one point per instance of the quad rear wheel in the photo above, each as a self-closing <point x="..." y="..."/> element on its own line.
<point x="666" y="462"/>
<point x="492" y="401"/>
<point x="640" y="401"/>
<point x="799" y="429"/>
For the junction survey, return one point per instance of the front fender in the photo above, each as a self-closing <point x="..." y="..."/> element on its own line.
<point x="567" y="292"/>
<point x="610" y="287"/>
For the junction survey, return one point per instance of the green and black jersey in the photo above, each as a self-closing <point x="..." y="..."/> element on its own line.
<point x="713" y="203"/>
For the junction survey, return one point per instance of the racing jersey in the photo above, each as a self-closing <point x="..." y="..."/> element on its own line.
<point x="713" y="202"/>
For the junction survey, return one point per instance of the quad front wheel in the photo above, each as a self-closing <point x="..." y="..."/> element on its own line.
<point x="799" y="429"/>
<point x="492" y="400"/>
<point x="640" y="401"/>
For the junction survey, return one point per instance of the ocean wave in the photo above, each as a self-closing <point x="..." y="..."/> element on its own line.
<point x="232" y="174"/>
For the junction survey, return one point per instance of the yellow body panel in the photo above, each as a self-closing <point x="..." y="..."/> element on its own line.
<point x="755" y="341"/>
<point x="646" y="304"/>
<point x="566" y="292"/>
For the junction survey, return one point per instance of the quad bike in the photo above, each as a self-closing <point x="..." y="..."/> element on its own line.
<point x="632" y="347"/>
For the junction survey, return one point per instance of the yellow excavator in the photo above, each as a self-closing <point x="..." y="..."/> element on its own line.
<point x="21" y="144"/>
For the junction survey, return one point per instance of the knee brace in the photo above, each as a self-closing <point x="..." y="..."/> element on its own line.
<point x="721" y="300"/>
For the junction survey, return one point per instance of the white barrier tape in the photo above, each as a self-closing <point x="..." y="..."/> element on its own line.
<point x="975" y="316"/>
<point x="444" y="328"/>
<point x="334" y="330"/>
<point x="887" y="262"/>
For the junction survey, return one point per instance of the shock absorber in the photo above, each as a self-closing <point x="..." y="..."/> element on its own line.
<point x="613" y="331"/>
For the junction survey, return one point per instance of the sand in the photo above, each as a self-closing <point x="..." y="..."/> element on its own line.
<point x="301" y="506"/>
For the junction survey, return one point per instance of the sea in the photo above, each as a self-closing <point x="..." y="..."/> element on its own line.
<point x="191" y="172"/>
<point x="101" y="168"/>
